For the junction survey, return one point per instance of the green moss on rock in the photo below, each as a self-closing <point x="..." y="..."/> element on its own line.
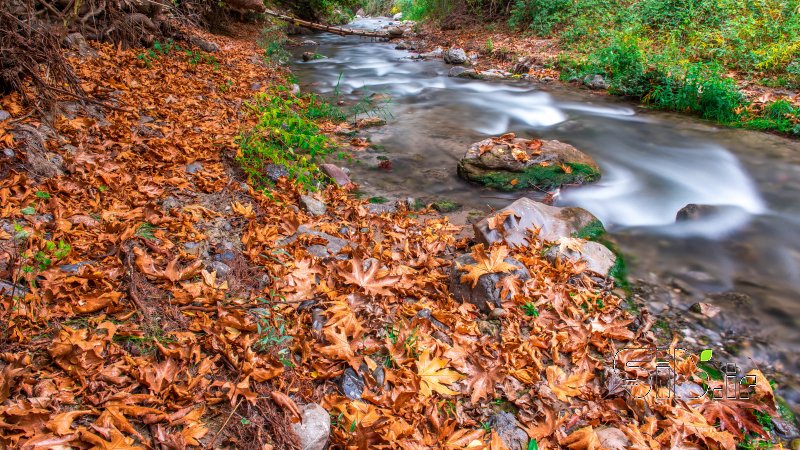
<point x="540" y="177"/>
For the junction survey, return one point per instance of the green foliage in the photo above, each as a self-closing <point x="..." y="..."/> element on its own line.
<point x="530" y="310"/>
<point x="701" y="89"/>
<point x="272" y="334"/>
<point x="273" y="41"/>
<point x="285" y="135"/>
<point x="549" y="177"/>
<point x="779" y="115"/>
<point x="591" y="232"/>
<point x="145" y="231"/>
<point x="538" y="16"/>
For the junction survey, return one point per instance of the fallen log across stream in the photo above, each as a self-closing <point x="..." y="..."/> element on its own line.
<point x="335" y="30"/>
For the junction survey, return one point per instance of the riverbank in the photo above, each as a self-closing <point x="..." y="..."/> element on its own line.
<point x="183" y="275"/>
<point x="626" y="67"/>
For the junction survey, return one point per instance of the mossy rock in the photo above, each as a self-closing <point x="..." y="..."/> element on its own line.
<point x="508" y="163"/>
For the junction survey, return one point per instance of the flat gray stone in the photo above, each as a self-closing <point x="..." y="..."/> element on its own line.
<point x="598" y="257"/>
<point x="314" y="429"/>
<point x="553" y="223"/>
<point x="312" y="205"/>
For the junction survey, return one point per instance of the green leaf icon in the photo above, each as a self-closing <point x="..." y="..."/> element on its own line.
<point x="706" y="355"/>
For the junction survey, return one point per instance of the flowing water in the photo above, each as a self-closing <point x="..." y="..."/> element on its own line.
<point x="653" y="164"/>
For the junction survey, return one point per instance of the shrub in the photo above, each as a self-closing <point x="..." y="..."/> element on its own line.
<point x="700" y="89"/>
<point x="624" y="65"/>
<point x="538" y="16"/>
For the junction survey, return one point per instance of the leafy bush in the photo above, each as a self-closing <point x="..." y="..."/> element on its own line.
<point x="624" y="65"/>
<point x="273" y="41"/>
<point x="285" y="135"/>
<point x="701" y="89"/>
<point x="538" y="16"/>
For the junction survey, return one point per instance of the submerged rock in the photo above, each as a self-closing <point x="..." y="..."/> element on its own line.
<point x="508" y="163"/>
<point x="694" y="211"/>
<point x="525" y="214"/>
<point x="462" y="72"/>
<point x="486" y="294"/>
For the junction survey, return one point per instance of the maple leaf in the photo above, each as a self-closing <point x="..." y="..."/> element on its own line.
<point x="61" y="424"/>
<point x="465" y="438"/>
<point x="369" y="281"/>
<point x="520" y="155"/>
<point x="434" y="376"/>
<point x="534" y="144"/>
<point x="582" y="439"/>
<point x="568" y="243"/>
<point x="565" y="168"/>
<point x="564" y="386"/>
<point x="497" y="221"/>
<point x="244" y="210"/>
<point x="491" y="263"/>
<point x="484" y="374"/>
<point x="339" y="348"/>
<point x="734" y="416"/>
<point x="510" y="286"/>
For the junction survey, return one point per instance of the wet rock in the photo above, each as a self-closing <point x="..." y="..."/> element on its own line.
<point x="495" y="74"/>
<point x="4" y="115"/>
<point x="486" y="294"/>
<point x="597" y="257"/>
<point x="204" y="45"/>
<point x="595" y="82"/>
<point x="510" y="431"/>
<point x="380" y="97"/>
<point x="514" y="163"/>
<point x="455" y="56"/>
<point x="395" y="32"/>
<point x="195" y="248"/>
<point x="336" y="173"/>
<point x="311" y="56"/>
<point x="612" y="439"/>
<point x="525" y="214"/>
<point x="427" y="314"/>
<point x="705" y="309"/>
<point x="74" y="268"/>
<point x="194" y="167"/>
<point x="170" y="203"/>
<point x="7" y="288"/>
<point x="693" y="211"/>
<point x="470" y="74"/>
<point x="433" y="54"/>
<point x="222" y="269"/>
<point x="314" y="429"/>
<point x="523" y="66"/>
<point x="334" y="244"/>
<point x="445" y="206"/>
<point x="76" y="42"/>
<point x="397" y="16"/>
<point x="352" y="384"/>
<point x="369" y="122"/>
<point x="275" y="171"/>
<point x="312" y="205"/>
<point x="381" y="208"/>
<point x="309" y="43"/>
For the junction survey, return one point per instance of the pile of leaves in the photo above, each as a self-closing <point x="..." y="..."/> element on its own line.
<point x="119" y="333"/>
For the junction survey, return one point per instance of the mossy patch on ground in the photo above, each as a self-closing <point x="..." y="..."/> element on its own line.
<point x="445" y="206"/>
<point x="540" y="177"/>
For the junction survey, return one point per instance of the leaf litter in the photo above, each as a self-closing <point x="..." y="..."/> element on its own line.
<point x="148" y="345"/>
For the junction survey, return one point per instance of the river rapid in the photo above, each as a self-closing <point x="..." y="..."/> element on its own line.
<point x="652" y="165"/>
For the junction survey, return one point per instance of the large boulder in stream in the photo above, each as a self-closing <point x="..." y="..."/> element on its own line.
<point x="513" y="224"/>
<point x="508" y="163"/>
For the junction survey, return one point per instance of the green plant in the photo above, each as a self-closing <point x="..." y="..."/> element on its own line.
<point x="489" y="46"/>
<point x="530" y="309"/>
<point x="700" y="89"/>
<point x="272" y="335"/>
<point x="284" y="135"/>
<point x="273" y="41"/>
<point x="146" y="231"/>
<point x="538" y="16"/>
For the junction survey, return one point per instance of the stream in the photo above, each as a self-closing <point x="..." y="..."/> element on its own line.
<point x="745" y="260"/>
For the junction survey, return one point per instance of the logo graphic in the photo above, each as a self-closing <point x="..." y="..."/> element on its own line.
<point x="652" y="369"/>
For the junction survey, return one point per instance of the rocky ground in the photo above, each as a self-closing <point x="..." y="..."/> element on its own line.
<point x="152" y="298"/>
